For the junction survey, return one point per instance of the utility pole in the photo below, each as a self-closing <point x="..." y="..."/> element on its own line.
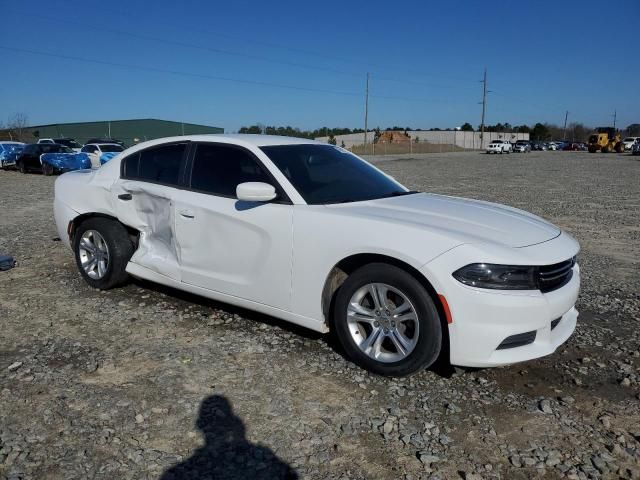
<point x="615" y="115"/>
<point x="484" y="106"/>
<point x="564" y="133"/>
<point x="366" y="113"/>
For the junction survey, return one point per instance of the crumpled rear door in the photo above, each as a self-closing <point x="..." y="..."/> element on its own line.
<point x="149" y="208"/>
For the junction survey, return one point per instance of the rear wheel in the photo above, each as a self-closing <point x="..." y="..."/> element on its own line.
<point x="47" y="169"/>
<point x="619" y="148"/>
<point x="386" y="321"/>
<point x="21" y="167"/>
<point x="102" y="248"/>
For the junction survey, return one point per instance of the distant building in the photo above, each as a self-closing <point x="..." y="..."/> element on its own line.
<point x="129" y="131"/>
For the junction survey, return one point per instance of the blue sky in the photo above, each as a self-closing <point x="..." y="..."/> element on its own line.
<point x="304" y="64"/>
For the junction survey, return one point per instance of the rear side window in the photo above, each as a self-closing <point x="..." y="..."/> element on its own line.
<point x="157" y="165"/>
<point x="218" y="169"/>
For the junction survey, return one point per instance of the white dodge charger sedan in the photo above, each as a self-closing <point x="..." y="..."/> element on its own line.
<point x="312" y="234"/>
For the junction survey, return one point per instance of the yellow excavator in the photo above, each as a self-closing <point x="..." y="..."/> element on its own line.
<point x="606" y="140"/>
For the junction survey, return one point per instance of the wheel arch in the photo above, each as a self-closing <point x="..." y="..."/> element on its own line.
<point x="76" y="221"/>
<point x="347" y="265"/>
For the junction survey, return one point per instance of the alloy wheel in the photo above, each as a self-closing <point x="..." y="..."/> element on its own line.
<point x="382" y="322"/>
<point x="94" y="254"/>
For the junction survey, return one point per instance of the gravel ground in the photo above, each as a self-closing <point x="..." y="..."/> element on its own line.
<point x="146" y="382"/>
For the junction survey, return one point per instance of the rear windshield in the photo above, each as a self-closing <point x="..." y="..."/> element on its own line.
<point x="68" y="143"/>
<point x="111" y="148"/>
<point x="55" y="148"/>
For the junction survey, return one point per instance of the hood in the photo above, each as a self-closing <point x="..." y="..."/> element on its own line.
<point x="472" y="221"/>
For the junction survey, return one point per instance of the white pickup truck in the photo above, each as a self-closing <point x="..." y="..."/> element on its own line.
<point x="499" y="146"/>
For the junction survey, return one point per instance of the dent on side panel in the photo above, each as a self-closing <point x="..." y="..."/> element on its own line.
<point x="150" y="211"/>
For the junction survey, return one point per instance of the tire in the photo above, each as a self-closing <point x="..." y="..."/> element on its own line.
<point x="117" y="244"/>
<point x="423" y="331"/>
<point x="619" y="148"/>
<point x="21" y="167"/>
<point x="605" y="149"/>
<point x="47" y="169"/>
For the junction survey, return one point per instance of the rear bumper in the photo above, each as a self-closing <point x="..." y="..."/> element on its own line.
<point x="483" y="319"/>
<point x="63" y="215"/>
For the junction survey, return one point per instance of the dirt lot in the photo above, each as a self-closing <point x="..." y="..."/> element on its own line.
<point x="145" y="382"/>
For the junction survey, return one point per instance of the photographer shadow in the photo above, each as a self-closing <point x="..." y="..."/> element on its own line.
<point x="227" y="454"/>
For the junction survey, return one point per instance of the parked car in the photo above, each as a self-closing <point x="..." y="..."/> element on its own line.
<point x="573" y="146"/>
<point x="50" y="158"/>
<point x="628" y="142"/>
<point x="105" y="140"/>
<point x="8" y="153"/>
<point x="95" y="151"/>
<point x="67" y="142"/>
<point x="539" y="146"/>
<point x="635" y="148"/>
<point x="522" y="146"/>
<point x="499" y="146"/>
<point x="292" y="228"/>
<point x="552" y="146"/>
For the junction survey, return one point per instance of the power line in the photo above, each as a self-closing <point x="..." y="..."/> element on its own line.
<point x="177" y="43"/>
<point x="205" y="76"/>
<point x="232" y="53"/>
<point x="176" y="72"/>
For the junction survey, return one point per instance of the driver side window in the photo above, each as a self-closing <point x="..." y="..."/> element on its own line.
<point x="218" y="169"/>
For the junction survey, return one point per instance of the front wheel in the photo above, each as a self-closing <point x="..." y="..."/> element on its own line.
<point x="386" y="321"/>
<point x="47" y="169"/>
<point x="102" y="248"/>
<point x="22" y="167"/>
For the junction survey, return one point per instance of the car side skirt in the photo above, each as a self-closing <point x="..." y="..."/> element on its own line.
<point x="139" y="271"/>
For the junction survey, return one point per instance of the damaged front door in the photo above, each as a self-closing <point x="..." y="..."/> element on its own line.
<point x="229" y="246"/>
<point x="144" y="200"/>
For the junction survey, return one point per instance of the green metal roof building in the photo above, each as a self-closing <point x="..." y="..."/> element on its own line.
<point x="128" y="131"/>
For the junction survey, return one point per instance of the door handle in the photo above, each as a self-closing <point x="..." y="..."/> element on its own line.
<point x="187" y="214"/>
<point x="125" y="196"/>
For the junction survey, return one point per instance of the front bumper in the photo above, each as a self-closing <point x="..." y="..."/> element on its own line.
<point x="482" y="319"/>
<point x="7" y="163"/>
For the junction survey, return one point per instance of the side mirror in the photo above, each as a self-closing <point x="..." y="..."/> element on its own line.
<point x="255" y="192"/>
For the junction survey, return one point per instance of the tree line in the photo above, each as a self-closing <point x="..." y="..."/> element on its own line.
<point x="575" y="131"/>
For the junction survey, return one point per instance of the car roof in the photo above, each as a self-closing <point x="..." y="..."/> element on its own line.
<point x="238" y="138"/>
<point x="104" y="143"/>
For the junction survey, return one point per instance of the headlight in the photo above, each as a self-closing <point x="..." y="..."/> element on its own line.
<point x="498" y="277"/>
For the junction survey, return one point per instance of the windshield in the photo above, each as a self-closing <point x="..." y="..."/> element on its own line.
<point x="111" y="148"/>
<point x="593" y="139"/>
<point x="68" y="143"/>
<point x="327" y="174"/>
<point x="629" y="139"/>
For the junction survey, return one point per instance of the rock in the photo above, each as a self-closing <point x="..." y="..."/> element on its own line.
<point x="545" y="406"/>
<point x="139" y="418"/>
<point x="388" y="426"/>
<point x="626" y="382"/>
<point x="606" y="421"/>
<point x="428" y="458"/>
<point x="515" y="461"/>
<point x="14" y="366"/>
